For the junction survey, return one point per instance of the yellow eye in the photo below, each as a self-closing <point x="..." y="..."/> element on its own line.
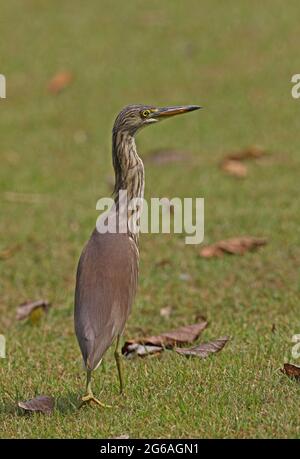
<point x="146" y="113"/>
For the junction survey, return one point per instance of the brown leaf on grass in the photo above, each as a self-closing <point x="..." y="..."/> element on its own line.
<point x="252" y="152"/>
<point x="235" y="168"/>
<point x="155" y="344"/>
<point x="32" y="308"/>
<point x="9" y="251"/>
<point x="291" y="370"/>
<point x="233" y="246"/>
<point x="60" y="81"/>
<point x="163" y="262"/>
<point x="232" y="163"/>
<point x="41" y="403"/>
<point x="203" y="349"/>
<point x="166" y="312"/>
<point x="132" y="349"/>
<point x="166" y="156"/>
<point x="182" y="335"/>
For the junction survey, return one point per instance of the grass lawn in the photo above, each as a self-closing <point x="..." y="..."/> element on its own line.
<point x="236" y="59"/>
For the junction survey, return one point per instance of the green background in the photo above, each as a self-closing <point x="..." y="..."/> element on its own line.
<point x="234" y="58"/>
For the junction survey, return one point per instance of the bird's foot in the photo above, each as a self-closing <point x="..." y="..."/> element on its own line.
<point x="90" y="398"/>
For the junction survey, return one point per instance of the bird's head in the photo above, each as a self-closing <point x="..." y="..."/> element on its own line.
<point x="134" y="117"/>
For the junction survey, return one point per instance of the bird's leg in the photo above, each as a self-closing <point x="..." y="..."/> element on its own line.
<point x="89" y="397"/>
<point x="118" y="362"/>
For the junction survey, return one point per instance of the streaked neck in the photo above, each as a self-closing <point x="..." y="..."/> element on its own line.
<point x="129" y="176"/>
<point x="128" y="166"/>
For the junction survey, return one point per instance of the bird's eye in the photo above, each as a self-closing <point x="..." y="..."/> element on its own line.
<point x="145" y="113"/>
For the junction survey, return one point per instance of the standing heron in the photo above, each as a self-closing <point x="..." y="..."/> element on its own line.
<point x="108" y="267"/>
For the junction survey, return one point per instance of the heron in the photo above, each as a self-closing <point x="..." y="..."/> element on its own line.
<point x="107" y="272"/>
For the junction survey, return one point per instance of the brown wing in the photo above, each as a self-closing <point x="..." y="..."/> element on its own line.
<point x="105" y="287"/>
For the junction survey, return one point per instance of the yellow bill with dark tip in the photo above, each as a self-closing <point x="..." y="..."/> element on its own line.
<point x="172" y="111"/>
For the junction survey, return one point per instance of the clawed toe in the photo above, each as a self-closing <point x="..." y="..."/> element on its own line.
<point x="90" y="398"/>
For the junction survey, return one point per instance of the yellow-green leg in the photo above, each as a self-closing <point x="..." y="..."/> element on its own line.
<point x="89" y="397"/>
<point x="119" y="365"/>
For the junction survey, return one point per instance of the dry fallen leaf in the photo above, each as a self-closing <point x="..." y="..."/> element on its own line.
<point x="163" y="262"/>
<point x="132" y="349"/>
<point x="32" y="309"/>
<point x="291" y="370"/>
<point x="166" y="156"/>
<point x="235" y="168"/>
<point x="232" y="163"/>
<point x="204" y="349"/>
<point x="233" y="246"/>
<point x="60" y="81"/>
<point x="182" y="335"/>
<point x="252" y="152"/>
<point x="155" y="344"/>
<point x="42" y="403"/>
<point x="166" y="312"/>
<point x="9" y="251"/>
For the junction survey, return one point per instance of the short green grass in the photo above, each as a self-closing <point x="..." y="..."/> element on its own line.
<point x="236" y="59"/>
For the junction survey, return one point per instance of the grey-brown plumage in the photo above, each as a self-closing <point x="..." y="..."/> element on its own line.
<point x="108" y="267"/>
<point x="104" y="296"/>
